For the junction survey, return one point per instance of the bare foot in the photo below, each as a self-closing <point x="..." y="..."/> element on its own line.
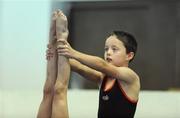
<point x="51" y="51"/>
<point x="52" y="32"/>
<point x="61" y="25"/>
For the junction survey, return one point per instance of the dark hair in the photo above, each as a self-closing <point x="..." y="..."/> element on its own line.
<point x="128" y="40"/>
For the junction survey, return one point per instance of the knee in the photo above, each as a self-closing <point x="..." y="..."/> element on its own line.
<point x="48" y="90"/>
<point x="59" y="89"/>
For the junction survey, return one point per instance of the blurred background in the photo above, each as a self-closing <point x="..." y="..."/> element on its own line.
<point x="24" y="28"/>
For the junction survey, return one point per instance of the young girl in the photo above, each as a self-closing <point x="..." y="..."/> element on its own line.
<point x="119" y="85"/>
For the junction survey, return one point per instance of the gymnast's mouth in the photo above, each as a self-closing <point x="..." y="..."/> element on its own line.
<point x="108" y="59"/>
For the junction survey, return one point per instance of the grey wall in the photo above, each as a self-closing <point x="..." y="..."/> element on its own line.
<point x="177" y="79"/>
<point x="155" y="24"/>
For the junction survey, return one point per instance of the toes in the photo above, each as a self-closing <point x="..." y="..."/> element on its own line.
<point x="59" y="11"/>
<point x="61" y="14"/>
<point x="55" y="15"/>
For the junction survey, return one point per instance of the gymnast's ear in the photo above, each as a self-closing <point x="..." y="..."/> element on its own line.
<point x="129" y="56"/>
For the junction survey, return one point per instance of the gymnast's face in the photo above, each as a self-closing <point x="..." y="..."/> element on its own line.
<point x="115" y="52"/>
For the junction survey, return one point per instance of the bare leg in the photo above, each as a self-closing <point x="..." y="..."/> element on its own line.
<point x="45" y="109"/>
<point x="60" y="106"/>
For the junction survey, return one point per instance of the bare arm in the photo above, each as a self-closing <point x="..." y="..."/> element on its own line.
<point x="123" y="73"/>
<point x="85" y="71"/>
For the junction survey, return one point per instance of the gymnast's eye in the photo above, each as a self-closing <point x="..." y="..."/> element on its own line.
<point x="114" y="49"/>
<point x="106" y="49"/>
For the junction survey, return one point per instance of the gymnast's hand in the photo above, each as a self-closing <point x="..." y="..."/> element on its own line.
<point x="64" y="49"/>
<point x="49" y="52"/>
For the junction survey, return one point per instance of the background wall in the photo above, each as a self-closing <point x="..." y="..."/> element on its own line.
<point x="24" y="33"/>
